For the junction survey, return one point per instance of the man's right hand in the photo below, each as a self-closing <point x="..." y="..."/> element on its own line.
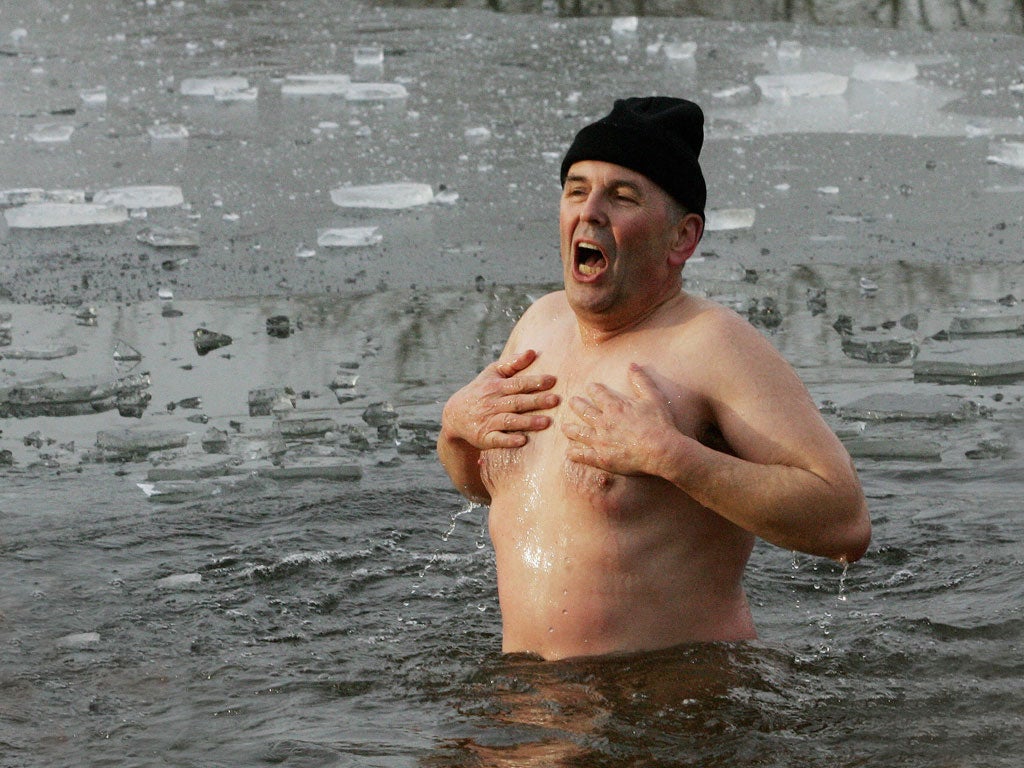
<point x="500" y="405"/>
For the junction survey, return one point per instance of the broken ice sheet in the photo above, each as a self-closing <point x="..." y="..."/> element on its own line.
<point x="988" y="321"/>
<point x="169" y="237"/>
<point x="153" y="196"/>
<point x="376" y="92"/>
<point x="209" y="86"/>
<point x="46" y="215"/>
<point x="316" y="85"/>
<point x="348" y="237"/>
<point x="93" y="97"/>
<point x="729" y="218"/>
<point x="801" y="85"/>
<point x="51" y="133"/>
<point x="891" y="406"/>
<point x="971" y="362"/>
<point x="387" y="196"/>
<point x="236" y="94"/>
<point x="167" y="132"/>
<point x="1009" y="153"/>
<point x="9" y="197"/>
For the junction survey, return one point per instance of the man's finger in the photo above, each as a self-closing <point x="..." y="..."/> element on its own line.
<point x="519" y="362"/>
<point x="642" y="382"/>
<point x="525" y="384"/>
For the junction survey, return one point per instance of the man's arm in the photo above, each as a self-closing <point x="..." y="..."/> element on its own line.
<point x="788" y="480"/>
<point x="495" y="410"/>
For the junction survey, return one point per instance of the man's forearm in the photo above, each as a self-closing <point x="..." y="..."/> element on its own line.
<point x="788" y="506"/>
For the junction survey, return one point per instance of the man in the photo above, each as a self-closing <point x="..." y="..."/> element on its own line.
<point x="633" y="440"/>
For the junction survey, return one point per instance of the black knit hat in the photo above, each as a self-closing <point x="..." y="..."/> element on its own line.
<point x="657" y="136"/>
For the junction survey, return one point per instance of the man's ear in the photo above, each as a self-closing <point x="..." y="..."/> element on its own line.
<point x="688" y="233"/>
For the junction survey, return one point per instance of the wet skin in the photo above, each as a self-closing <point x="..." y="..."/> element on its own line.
<point x="633" y="440"/>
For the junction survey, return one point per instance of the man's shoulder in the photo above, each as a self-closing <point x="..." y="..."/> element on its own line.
<point x="715" y="329"/>
<point x="548" y="307"/>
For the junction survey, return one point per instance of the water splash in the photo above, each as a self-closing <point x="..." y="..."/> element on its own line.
<point x="841" y="597"/>
<point x="470" y="506"/>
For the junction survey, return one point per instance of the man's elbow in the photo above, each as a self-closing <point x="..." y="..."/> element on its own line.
<point x="854" y="536"/>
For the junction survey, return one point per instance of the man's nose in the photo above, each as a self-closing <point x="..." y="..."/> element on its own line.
<point x="593" y="209"/>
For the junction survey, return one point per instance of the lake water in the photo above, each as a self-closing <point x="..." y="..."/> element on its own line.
<point x="258" y="621"/>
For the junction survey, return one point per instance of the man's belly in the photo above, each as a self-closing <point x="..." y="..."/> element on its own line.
<point x="593" y="563"/>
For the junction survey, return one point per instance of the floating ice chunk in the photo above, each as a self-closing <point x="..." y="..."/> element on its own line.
<point x="625" y="25"/>
<point x="11" y="197"/>
<point x="877" y="348"/>
<point x="79" y="639"/>
<point x="891" y="406"/>
<point x="885" y="71"/>
<point x="389" y="196"/>
<point x="316" y="85"/>
<point x="827" y="190"/>
<point x="731" y="93"/>
<point x="167" y="132"/>
<point x="789" y="50"/>
<point x="236" y="94"/>
<point x="153" y="196"/>
<point x="893" y="449"/>
<point x="46" y="215"/>
<point x="728" y="218"/>
<point x="986" y="322"/>
<point x="348" y="237"/>
<point x="171" y="491"/>
<point x="970" y="362"/>
<point x="376" y="92"/>
<point x="678" y="51"/>
<point x="801" y="85"/>
<point x="178" y="580"/>
<point x="129" y="443"/>
<point x="169" y="237"/>
<point x="1009" y="153"/>
<point x="51" y="133"/>
<point x="370" y="55"/>
<point x="208" y="86"/>
<point x="93" y="97"/>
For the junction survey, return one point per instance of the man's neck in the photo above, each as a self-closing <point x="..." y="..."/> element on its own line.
<point x="600" y="329"/>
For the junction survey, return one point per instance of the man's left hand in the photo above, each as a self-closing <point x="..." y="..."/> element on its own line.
<point x="618" y="433"/>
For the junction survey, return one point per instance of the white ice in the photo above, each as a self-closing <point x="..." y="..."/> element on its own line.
<point x="46" y="215"/>
<point x="376" y="92"/>
<point x="348" y="237"/>
<point x="208" y="86"/>
<point x="390" y="196"/>
<point x="153" y="196"/>
<point x="49" y="133"/>
<point x="728" y="218"/>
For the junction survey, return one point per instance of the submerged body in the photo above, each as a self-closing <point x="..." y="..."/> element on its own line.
<point x="593" y="562"/>
<point x="633" y="440"/>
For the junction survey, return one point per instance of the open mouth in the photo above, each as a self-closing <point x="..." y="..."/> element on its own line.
<point x="590" y="260"/>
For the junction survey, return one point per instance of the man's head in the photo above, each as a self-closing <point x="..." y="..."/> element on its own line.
<point x="657" y="136"/>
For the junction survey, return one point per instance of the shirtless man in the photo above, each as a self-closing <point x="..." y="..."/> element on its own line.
<point x="633" y="440"/>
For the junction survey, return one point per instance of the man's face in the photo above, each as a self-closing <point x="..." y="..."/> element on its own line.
<point x="619" y="242"/>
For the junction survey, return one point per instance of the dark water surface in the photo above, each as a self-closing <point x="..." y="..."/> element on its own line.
<point x="312" y="623"/>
